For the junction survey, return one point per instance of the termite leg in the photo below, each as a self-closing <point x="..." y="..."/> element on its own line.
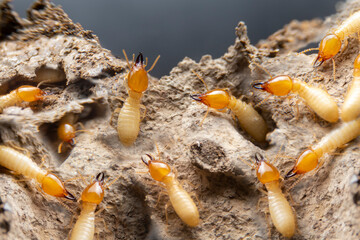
<point x="262" y="199"/>
<point x="19" y="180"/>
<point x="102" y="220"/>
<point x="334" y="69"/>
<point x="197" y="199"/>
<point x="317" y="169"/>
<point x="101" y="210"/>
<point x="161" y="193"/>
<point x="42" y="192"/>
<point x="268" y="223"/>
<point x="346" y="42"/>
<point x="262" y="190"/>
<point x="202" y="121"/>
<point x="182" y="181"/>
<point x="166" y="207"/>
<point x="287" y="193"/>
<point x="233" y="116"/>
<point x="13" y="145"/>
<point x="117" y="110"/>
<point x="120" y="98"/>
<point x="155" y="184"/>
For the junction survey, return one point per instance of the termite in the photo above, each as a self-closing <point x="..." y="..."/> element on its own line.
<point x="22" y="164"/>
<point x="309" y="159"/>
<point x="67" y="130"/>
<point x="91" y="197"/>
<point x="330" y="45"/>
<point x="21" y="94"/>
<point x="317" y="99"/>
<point x="281" y="212"/>
<point x="181" y="201"/>
<point x="249" y="119"/>
<point x="128" y="124"/>
<point x="351" y="108"/>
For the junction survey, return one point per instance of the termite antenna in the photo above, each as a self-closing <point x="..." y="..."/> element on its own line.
<point x="308" y="50"/>
<point x="200" y="79"/>
<point x="259" y="158"/>
<point x="258" y="85"/>
<point x="153" y="65"/>
<point x="127" y="60"/>
<point x="100" y="177"/>
<point x="262" y="68"/>
<point x="196" y="97"/>
<point x="139" y="59"/>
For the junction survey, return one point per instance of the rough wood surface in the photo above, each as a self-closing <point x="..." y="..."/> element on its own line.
<point x="207" y="156"/>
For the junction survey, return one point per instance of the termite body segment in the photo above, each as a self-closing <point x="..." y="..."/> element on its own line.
<point x="281" y="212"/>
<point x="317" y="99"/>
<point x="181" y="201"/>
<point x="351" y="107"/>
<point x="330" y="45"/>
<point x="249" y="119"/>
<point x="21" y="94"/>
<point x="92" y="196"/>
<point x="22" y="164"/>
<point x="309" y="159"/>
<point x="128" y="125"/>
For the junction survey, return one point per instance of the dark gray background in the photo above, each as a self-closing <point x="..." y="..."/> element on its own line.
<point x="178" y="28"/>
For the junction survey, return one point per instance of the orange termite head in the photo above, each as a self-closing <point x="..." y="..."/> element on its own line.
<point x="157" y="169"/>
<point x="138" y="76"/>
<point x="94" y="193"/>
<point x="30" y="93"/>
<point x="280" y="85"/>
<point x="53" y="186"/>
<point x="307" y="161"/>
<point x="218" y="98"/>
<point x="66" y="132"/>
<point x="329" y="46"/>
<point x="265" y="171"/>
